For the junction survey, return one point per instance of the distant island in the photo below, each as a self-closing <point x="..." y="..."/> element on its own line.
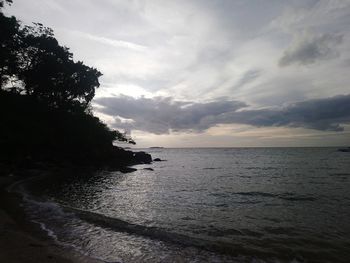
<point x="156" y="147"/>
<point x="45" y="105"/>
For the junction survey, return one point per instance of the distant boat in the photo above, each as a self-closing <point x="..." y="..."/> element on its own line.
<point x="156" y="147"/>
<point x="345" y="150"/>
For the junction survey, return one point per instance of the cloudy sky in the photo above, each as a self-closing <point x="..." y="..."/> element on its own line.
<point x="212" y="73"/>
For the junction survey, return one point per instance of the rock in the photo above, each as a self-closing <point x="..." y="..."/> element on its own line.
<point x="148" y="169"/>
<point x="125" y="170"/>
<point x="345" y="150"/>
<point x="142" y="157"/>
<point x="158" y="160"/>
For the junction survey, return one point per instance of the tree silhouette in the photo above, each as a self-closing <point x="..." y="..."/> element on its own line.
<point x="37" y="65"/>
<point x="9" y="43"/>
<point x="49" y="73"/>
<point x="45" y="100"/>
<point x="2" y="2"/>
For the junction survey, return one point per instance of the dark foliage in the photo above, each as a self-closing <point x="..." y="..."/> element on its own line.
<point x="2" y="2"/>
<point x="45" y="103"/>
<point x="33" y="63"/>
<point x="49" y="73"/>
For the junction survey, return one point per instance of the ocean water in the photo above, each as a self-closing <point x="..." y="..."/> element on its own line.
<point x="204" y="205"/>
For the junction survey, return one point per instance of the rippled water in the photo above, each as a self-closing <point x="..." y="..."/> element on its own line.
<point x="206" y="205"/>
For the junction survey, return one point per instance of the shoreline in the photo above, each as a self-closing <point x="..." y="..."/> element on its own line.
<point x="24" y="241"/>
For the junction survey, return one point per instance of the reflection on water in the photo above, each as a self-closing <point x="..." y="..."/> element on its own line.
<point x="207" y="205"/>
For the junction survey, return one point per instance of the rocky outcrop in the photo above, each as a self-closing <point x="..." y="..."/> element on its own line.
<point x="158" y="160"/>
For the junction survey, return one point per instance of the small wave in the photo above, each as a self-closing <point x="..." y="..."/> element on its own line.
<point x="262" y="168"/>
<point x="187" y="218"/>
<point x="252" y="233"/>
<point x="221" y="205"/>
<point x="219" y="194"/>
<point x="281" y="230"/>
<point x="255" y="194"/>
<point x="124" y="226"/>
<point x="298" y="198"/>
<point x="158" y="233"/>
<point x="341" y="177"/>
<point x="49" y="232"/>
<point x="224" y="232"/>
<point x="283" y="196"/>
<point x="245" y="176"/>
<point x="274" y="220"/>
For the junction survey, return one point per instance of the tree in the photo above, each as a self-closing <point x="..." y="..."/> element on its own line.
<point x="2" y="2"/>
<point x="43" y="75"/>
<point x="44" y="69"/>
<point x="33" y="62"/>
<point x="9" y="43"/>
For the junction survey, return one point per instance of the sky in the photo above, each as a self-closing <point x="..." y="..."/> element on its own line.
<point x="212" y="73"/>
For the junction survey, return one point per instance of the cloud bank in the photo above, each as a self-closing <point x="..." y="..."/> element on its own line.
<point x="161" y="115"/>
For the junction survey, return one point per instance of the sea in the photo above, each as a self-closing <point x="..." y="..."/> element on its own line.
<point x="203" y="205"/>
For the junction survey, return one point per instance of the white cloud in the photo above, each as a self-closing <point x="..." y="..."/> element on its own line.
<point x="113" y="42"/>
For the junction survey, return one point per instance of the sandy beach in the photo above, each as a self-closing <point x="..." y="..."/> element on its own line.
<point x="18" y="243"/>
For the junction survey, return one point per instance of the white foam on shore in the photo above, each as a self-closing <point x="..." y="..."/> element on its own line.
<point x="55" y="210"/>
<point x="49" y="232"/>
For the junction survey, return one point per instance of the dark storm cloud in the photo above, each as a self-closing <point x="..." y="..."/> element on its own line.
<point x="159" y="115"/>
<point x="321" y="114"/>
<point x="309" y="50"/>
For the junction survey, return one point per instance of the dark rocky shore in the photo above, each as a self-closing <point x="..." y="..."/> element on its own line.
<point x="113" y="158"/>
